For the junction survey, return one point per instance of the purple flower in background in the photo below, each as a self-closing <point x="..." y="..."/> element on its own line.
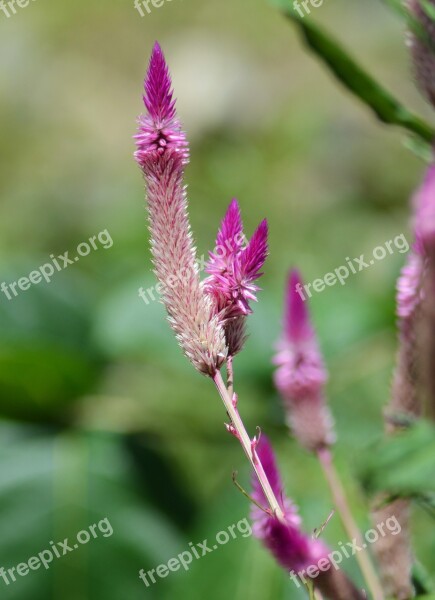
<point x="291" y="547"/>
<point x="409" y="285"/>
<point x="233" y="267"/>
<point x="301" y="375"/>
<point x="301" y="555"/>
<point x="162" y="152"/>
<point x="422" y="44"/>
<point x="424" y="206"/>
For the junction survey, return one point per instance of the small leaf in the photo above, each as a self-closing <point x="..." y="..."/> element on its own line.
<point x="403" y="464"/>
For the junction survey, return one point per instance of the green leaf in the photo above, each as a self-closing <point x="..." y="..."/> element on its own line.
<point x="422" y="581"/>
<point x="47" y="357"/>
<point x="52" y="488"/>
<point x="357" y="80"/>
<point x="403" y="464"/>
<point x="428" y="8"/>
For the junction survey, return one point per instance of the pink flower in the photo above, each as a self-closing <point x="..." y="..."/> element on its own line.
<point x="301" y="375"/>
<point x="409" y="286"/>
<point x="291" y="547"/>
<point x="160" y="137"/>
<point x="298" y="553"/>
<point x="424" y="207"/>
<point x="233" y="267"/>
<point x="162" y="152"/>
<point x="423" y="49"/>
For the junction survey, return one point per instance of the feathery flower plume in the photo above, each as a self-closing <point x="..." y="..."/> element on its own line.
<point x="233" y="267"/>
<point x="301" y="375"/>
<point x="422" y="46"/>
<point x="293" y="549"/>
<point x="300" y="378"/>
<point x="162" y="152"/>
<point x="424" y="224"/>
<point x="395" y="555"/>
<point x="405" y="399"/>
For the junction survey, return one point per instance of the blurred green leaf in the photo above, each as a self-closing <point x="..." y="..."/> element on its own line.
<point x="422" y="581"/>
<point x="53" y="487"/>
<point x="357" y="80"/>
<point x="403" y="464"/>
<point x="47" y="358"/>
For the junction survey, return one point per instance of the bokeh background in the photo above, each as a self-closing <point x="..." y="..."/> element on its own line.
<point x="101" y="416"/>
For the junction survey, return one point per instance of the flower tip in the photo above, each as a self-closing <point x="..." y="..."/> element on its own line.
<point x="267" y="458"/>
<point x="157" y="49"/>
<point x="158" y="87"/>
<point x="297" y="318"/>
<point x="234" y="214"/>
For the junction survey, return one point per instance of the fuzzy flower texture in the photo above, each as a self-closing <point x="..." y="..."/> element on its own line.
<point x="301" y="555"/>
<point x="207" y="317"/>
<point x="301" y="374"/>
<point x="422" y="45"/>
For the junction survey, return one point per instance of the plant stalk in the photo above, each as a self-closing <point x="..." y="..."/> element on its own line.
<point x="245" y="441"/>
<point x="349" y="524"/>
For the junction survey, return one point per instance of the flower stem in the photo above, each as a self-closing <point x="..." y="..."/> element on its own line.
<point x="247" y="445"/>
<point x="230" y="376"/>
<point x="349" y="523"/>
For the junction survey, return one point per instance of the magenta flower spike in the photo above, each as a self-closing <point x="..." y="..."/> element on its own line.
<point x="423" y="48"/>
<point x="193" y="310"/>
<point x="394" y="555"/>
<point x="233" y="267"/>
<point x="298" y="553"/>
<point x="424" y="205"/>
<point x="162" y="152"/>
<point x="300" y="376"/>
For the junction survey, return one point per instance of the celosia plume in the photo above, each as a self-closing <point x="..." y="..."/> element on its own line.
<point x="301" y="375"/>
<point x="233" y="267"/>
<point x="394" y="555"/>
<point x="162" y="152"/>
<point x="424" y="223"/>
<point x="292" y="548"/>
<point x="422" y="43"/>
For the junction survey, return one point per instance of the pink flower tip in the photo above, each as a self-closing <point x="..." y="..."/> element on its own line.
<point x="159" y="137"/>
<point x="297" y="318"/>
<point x="158" y="93"/>
<point x="292" y="548"/>
<point x="233" y="267"/>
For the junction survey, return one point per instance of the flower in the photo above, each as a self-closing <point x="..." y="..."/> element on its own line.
<point x="160" y="135"/>
<point x="233" y="267"/>
<point x="301" y="375"/>
<point x="291" y="547"/>
<point x="301" y="555"/>
<point x="424" y="208"/>
<point x="424" y="224"/>
<point x="422" y="44"/>
<point x="162" y="152"/>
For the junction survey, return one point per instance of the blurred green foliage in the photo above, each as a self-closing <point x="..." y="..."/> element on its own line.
<point x="101" y="415"/>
